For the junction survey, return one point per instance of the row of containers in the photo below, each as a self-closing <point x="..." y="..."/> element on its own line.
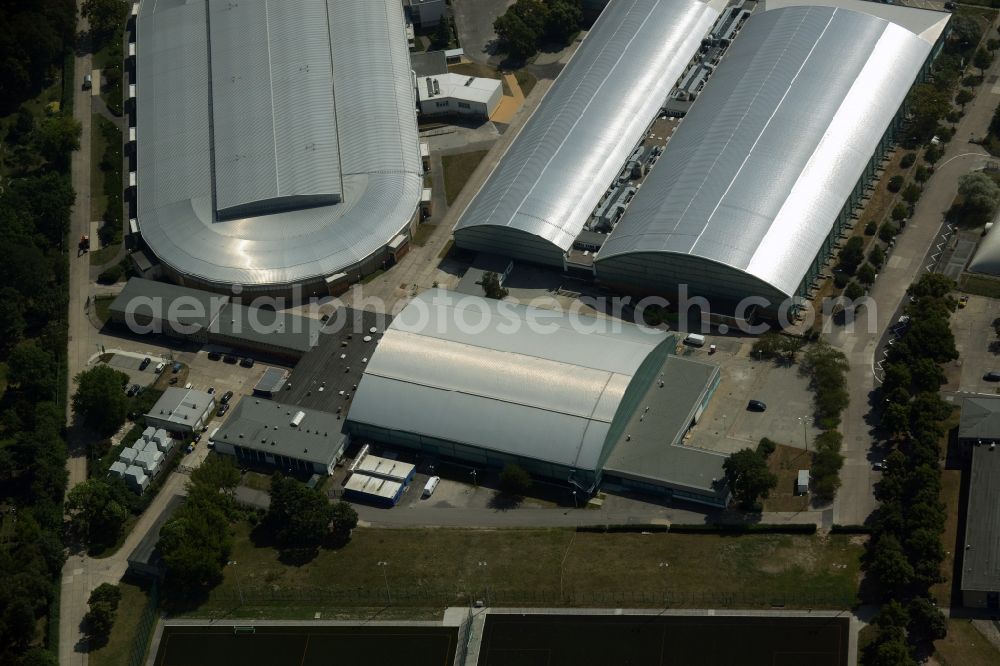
<point x="139" y="463"/>
<point x="375" y="480"/>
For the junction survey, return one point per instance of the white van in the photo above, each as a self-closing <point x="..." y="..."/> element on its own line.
<point x="160" y="367"/>
<point x="431" y="484"/>
<point x="695" y="340"/>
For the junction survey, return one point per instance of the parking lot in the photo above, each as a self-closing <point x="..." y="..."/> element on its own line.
<point x="727" y="425"/>
<point x="130" y="364"/>
<point x="978" y="347"/>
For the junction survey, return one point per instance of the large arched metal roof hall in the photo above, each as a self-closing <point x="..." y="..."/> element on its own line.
<point x="545" y="186"/>
<point x="276" y="141"/>
<point x="751" y="184"/>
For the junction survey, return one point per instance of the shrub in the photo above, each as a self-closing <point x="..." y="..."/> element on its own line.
<point x="877" y="256"/>
<point x="854" y="290"/>
<point x="870" y="229"/>
<point x="766" y="447"/>
<point x="895" y="184"/>
<point x="887" y="232"/>
<point x="111" y="275"/>
<point x="866" y="274"/>
<point x="840" y="279"/>
<point x="908" y="160"/>
<point x="900" y="212"/>
<point x="921" y="174"/>
<point x="933" y="154"/>
<point x="514" y="480"/>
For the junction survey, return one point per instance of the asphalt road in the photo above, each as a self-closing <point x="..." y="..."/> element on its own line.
<point x="474" y="22"/>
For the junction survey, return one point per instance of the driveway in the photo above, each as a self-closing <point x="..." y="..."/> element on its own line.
<point x="911" y="257"/>
<point x="474" y="22"/>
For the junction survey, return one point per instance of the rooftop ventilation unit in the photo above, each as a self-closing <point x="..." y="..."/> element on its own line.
<point x="469" y="82"/>
<point x="297" y="419"/>
<point x="437" y="87"/>
<point x="430" y="88"/>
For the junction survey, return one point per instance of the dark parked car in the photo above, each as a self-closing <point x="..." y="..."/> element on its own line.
<point x="132" y="390"/>
<point x="229" y="358"/>
<point x="223" y="408"/>
<point x="247" y="362"/>
<point x="214" y="356"/>
<point x="211" y="390"/>
<point x="756" y="406"/>
<point x="226" y="397"/>
<point x="992" y="376"/>
<point x="176" y="367"/>
<point x="145" y="363"/>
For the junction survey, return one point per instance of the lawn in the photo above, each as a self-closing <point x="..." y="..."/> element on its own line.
<point x="525" y="80"/>
<point x="951" y="482"/>
<point x="554" y="567"/>
<point x="257" y="481"/>
<point x="98" y="144"/>
<point x="119" y="646"/>
<point x="102" y="308"/>
<point x="785" y="463"/>
<point x="457" y="169"/>
<point x="965" y="646"/>
<point x="980" y="285"/>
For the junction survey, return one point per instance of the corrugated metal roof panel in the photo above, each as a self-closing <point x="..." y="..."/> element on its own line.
<point x="500" y="376"/>
<point x="369" y="125"/>
<point x="557" y="168"/>
<point x="755" y="176"/>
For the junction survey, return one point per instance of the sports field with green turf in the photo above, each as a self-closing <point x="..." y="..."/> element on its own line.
<point x="656" y="640"/>
<point x="306" y="646"/>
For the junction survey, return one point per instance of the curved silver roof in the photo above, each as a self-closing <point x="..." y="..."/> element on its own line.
<point x="509" y="378"/>
<point x="569" y="151"/>
<point x="757" y="173"/>
<point x="987" y="257"/>
<point x="277" y="141"/>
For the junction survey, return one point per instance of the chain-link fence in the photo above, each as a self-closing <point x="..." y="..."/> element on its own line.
<point x="427" y="597"/>
<point x="144" y="631"/>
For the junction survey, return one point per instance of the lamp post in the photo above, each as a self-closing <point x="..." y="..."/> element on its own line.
<point x="385" y="577"/>
<point x="239" y="588"/>
<point x="805" y="437"/>
<point x="475" y="481"/>
<point x="575" y="503"/>
<point x="483" y="565"/>
<point x="663" y="567"/>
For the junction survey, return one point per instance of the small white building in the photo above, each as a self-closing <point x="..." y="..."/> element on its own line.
<point x="150" y="461"/>
<point x="181" y="410"/>
<point x="136" y="479"/>
<point x="127" y="455"/>
<point x="117" y="469"/>
<point x="802" y="483"/>
<point x="458" y="94"/>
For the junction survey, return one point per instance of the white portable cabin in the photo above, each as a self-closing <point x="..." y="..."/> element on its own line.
<point x="136" y="479"/>
<point x="117" y="469"/>
<point x="128" y="455"/>
<point x="150" y="460"/>
<point x="802" y="483"/>
<point x="148" y="433"/>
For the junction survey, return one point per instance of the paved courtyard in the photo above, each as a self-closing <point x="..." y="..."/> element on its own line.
<point x="978" y="346"/>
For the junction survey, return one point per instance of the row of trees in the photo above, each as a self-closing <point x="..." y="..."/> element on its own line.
<point x="300" y="519"/>
<point x="100" y="616"/>
<point x="34" y="221"/>
<point x="527" y="24"/>
<point x="903" y="558"/>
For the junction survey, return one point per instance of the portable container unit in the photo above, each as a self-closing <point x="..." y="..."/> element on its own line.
<point x="128" y="455"/>
<point x="136" y="479"/>
<point x="117" y="469"/>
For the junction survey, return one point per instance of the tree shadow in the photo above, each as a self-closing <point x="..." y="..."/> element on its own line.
<point x="505" y="502"/>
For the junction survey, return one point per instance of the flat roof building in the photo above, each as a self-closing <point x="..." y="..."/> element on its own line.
<point x="181" y="410"/>
<point x="541" y="193"/>
<point x="458" y="94"/>
<point x="759" y="181"/>
<point x="373" y="489"/>
<point x="278" y="140"/>
<point x="488" y="382"/>
<point x="287" y="437"/>
<point x="979" y="428"/>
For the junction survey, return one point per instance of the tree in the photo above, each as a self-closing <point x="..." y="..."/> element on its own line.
<point x="891" y="652"/>
<point x="98" y="622"/>
<point x="33" y="370"/>
<point x="12" y="322"/>
<point x="926" y="622"/>
<point x="982" y="60"/>
<point x="96" y="513"/>
<point x="492" y="286"/>
<point x="927" y="106"/>
<point x="979" y="193"/>
<point x="514" y="481"/>
<point x="343" y="519"/>
<point x="895" y="184"/>
<point x="931" y="285"/>
<point x="516" y="37"/>
<point x="442" y="34"/>
<point x="927" y="375"/>
<point x="775" y="345"/>
<point x="963" y="97"/>
<point x="854" y="290"/>
<point x="195" y="545"/>
<point x="38" y="656"/>
<point x="749" y="478"/>
<point x="877" y="256"/>
<point x="216" y="474"/>
<point x="889" y="564"/>
<point x="99" y="400"/>
<point x="56" y="137"/>
<point x="106" y="593"/>
<point x="896" y="419"/>
<point x="866" y="274"/>
<point x="965" y="30"/>
<point x="911" y="193"/>
<point x="299" y="516"/>
<point x="106" y="18"/>
<point x="852" y="254"/>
